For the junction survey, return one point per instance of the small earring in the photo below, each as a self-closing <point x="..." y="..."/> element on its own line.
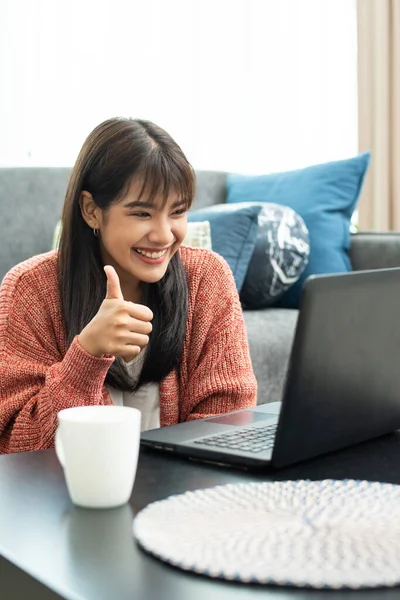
<point x="96" y="232"/>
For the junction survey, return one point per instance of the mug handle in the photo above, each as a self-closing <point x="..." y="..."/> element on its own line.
<point x="59" y="447"/>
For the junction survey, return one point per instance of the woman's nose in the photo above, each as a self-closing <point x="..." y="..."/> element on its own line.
<point x="161" y="233"/>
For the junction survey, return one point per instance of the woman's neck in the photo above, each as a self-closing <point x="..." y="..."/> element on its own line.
<point x="132" y="294"/>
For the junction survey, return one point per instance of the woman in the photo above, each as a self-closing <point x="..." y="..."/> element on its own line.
<point x="121" y="313"/>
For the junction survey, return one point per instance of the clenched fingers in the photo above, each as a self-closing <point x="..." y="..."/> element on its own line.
<point x="139" y="311"/>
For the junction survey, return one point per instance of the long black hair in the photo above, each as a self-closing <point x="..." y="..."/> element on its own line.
<point x="116" y="152"/>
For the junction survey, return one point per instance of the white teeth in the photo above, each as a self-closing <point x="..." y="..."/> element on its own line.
<point x="151" y="254"/>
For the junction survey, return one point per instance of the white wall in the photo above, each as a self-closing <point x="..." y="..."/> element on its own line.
<point x="243" y="85"/>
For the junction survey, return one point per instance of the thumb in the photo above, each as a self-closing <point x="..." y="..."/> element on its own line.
<point x="113" y="285"/>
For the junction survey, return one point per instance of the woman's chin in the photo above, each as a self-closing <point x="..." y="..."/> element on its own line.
<point x="151" y="276"/>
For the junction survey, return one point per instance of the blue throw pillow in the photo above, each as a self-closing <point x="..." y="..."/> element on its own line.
<point x="325" y="196"/>
<point x="233" y="234"/>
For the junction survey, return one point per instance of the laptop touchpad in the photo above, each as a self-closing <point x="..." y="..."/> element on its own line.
<point x="245" y="417"/>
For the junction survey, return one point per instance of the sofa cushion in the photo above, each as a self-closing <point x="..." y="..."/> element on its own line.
<point x="279" y="258"/>
<point x="210" y="189"/>
<point x="375" y="250"/>
<point x="31" y="200"/>
<point x="233" y="233"/>
<point x="270" y="333"/>
<point x="325" y="196"/>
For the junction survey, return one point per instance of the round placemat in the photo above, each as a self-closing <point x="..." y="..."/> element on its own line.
<point x="318" y="534"/>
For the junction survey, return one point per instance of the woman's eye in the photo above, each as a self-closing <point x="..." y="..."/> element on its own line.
<point x="180" y="211"/>
<point x="140" y="214"/>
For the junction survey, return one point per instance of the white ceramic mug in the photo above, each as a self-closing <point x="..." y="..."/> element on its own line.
<point x="98" y="447"/>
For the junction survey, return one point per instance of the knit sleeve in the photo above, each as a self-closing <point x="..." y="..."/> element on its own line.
<point x="220" y="376"/>
<point x="36" y="379"/>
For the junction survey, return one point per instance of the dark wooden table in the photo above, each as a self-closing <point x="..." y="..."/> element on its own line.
<point x="50" y="549"/>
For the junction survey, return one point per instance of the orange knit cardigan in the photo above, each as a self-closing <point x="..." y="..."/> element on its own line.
<point x="40" y="375"/>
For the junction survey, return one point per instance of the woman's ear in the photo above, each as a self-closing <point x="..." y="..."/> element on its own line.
<point x="90" y="211"/>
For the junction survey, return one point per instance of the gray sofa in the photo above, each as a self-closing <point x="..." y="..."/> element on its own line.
<point x="30" y="206"/>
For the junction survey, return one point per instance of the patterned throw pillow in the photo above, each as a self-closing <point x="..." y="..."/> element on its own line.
<point x="198" y="235"/>
<point x="279" y="258"/>
<point x="56" y="236"/>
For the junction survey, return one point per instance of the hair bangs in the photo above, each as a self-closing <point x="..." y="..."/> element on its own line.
<point x="163" y="175"/>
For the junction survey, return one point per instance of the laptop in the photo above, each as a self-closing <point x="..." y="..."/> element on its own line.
<point x="342" y="385"/>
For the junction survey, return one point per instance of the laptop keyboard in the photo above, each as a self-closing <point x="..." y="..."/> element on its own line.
<point x="252" y="439"/>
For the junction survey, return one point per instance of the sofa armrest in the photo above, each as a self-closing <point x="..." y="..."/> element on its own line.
<point x="371" y="250"/>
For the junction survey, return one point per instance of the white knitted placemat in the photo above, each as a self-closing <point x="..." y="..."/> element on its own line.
<point x="316" y="534"/>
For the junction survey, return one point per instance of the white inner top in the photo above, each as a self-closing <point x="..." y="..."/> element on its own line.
<point x="146" y="399"/>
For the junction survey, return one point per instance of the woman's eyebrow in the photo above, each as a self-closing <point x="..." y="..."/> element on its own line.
<point x="146" y="204"/>
<point x="180" y="202"/>
<point x="139" y="204"/>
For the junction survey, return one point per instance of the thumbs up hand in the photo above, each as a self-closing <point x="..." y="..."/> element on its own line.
<point x="119" y="328"/>
<point x="113" y="284"/>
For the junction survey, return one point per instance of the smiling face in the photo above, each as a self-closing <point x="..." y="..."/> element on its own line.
<point x="137" y="237"/>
